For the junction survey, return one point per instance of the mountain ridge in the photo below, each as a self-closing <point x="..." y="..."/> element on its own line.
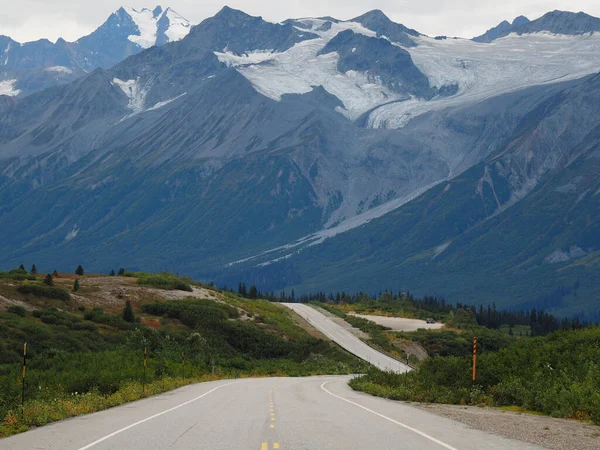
<point x="34" y="66"/>
<point x="248" y="136"/>
<point x="556" y="22"/>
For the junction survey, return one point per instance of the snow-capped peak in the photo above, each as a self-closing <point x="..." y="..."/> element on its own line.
<point x="157" y="26"/>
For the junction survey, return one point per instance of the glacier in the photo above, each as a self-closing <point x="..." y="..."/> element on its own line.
<point x="487" y="70"/>
<point x="480" y="70"/>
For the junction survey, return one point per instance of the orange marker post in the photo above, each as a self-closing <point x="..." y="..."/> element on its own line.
<point x="23" y="378"/>
<point x="474" y="358"/>
<point x="144" y="383"/>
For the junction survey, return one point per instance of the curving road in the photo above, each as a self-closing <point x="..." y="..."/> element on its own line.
<point x="262" y="414"/>
<point x="346" y="339"/>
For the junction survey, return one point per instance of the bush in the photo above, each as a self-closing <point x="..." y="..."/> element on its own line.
<point x="97" y="315"/>
<point x="17" y="275"/>
<point x="163" y="280"/>
<point x="44" y="291"/>
<point x="18" y="310"/>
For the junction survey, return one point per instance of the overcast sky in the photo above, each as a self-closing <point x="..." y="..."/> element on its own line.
<point x="26" y="20"/>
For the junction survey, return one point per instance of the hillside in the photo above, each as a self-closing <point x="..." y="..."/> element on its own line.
<point x="83" y="349"/>
<point x="520" y="228"/>
<point x="322" y="154"/>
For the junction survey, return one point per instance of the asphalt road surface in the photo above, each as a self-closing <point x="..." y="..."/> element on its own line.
<point x="317" y="413"/>
<point x="346" y="339"/>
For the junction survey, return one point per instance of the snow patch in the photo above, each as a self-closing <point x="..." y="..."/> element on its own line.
<point x="6" y="53"/>
<point x="253" y="57"/>
<point x="559" y="255"/>
<point x="166" y="102"/>
<point x="135" y="93"/>
<point x="440" y="249"/>
<point x="179" y="27"/>
<point x="482" y="71"/>
<point x="147" y="25"/>
<point x="72" y="234"/>
<point x="59" y="69"/>
<point x="7" y="87"/>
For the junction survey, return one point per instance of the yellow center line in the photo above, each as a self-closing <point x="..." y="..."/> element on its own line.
<point x="272" y="425"/>
<point x="276" y="445"/>
<point x="264" y="446"/>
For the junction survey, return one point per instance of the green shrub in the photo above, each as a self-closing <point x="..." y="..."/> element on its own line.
<point x="164" y="280"/>
<point x="40" y="290"/>
<point x="17" y="275"/>
<point x="18" y="310"/>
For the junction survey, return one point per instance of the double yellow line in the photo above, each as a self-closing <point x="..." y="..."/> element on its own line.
<point x="265" y="445"/>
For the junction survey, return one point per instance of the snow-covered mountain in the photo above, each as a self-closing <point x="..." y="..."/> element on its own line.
<point x="144" y="28"/>
<point x="555" y="22"/>
<point x="33" y="66"/>
<point x="250" y="142"/>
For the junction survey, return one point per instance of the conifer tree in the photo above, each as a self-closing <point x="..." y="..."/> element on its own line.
<point x="76" y="285"/>
<point x="253" y="292"/>
<point x="79" y="270"/>
<point x="48" y="280"/>
<point x="33" y="270"/>
<point x="128" y="312"/>
<point x="112" y="272"/>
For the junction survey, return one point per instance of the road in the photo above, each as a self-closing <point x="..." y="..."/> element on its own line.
<point x="346" y="339"/>
<point x="270" y="413"/>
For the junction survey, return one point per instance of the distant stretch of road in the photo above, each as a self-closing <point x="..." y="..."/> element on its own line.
<point x="312" y="413"/>
<point x="346" y="339"/>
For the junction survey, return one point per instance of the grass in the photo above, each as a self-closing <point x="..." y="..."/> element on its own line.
<point x="164" y="280"/>
<point x="519" y="409"/>
<point x="62" y="405"/>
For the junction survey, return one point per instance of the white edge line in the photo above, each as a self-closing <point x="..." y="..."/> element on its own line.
<point x="108" y="436"/>
<point x="425" y="435"/>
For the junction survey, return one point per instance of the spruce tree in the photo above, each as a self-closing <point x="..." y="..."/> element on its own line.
<point x="76" y="285"/>
<point x="48" y="280"/>
<point x="121" y="272"/>
<point x="112" y="272"/>
<point x="33" y="270"/>
<point x="22" y="267"/>
<point x="253" y="292"/>
<point x="128" y="312"/>
<point x="79" y="270"/>
<point x="54" y="273"/>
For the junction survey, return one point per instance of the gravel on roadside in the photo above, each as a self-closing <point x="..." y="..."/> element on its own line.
<point x="548" y="432"/>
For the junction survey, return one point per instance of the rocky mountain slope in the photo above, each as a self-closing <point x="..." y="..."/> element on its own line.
<point x="315" y="153"/>
<point x="33" y="66"/>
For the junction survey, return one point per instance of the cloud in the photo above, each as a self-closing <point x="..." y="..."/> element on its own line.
<point x="27" y="20"/>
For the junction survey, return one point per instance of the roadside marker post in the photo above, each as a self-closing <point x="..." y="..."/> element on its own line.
<point x="474" y="358"/>
<point x="183" y="365"/>
<point x="144" y="382"/>
<point x="23" y="378"/>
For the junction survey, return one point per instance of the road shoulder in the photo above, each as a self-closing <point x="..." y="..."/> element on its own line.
<point x="548" y="432"/>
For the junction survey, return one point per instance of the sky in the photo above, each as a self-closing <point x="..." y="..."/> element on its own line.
<point x="27" y="20"/>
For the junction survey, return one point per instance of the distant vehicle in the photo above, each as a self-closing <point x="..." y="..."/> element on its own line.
<point x="430" y="320"/>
